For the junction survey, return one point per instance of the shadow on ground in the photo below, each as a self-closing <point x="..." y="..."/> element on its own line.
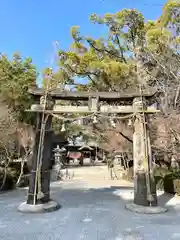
<point x="77" y="197"/>
<point x="71" y="197"/>
<point x="70" y="194"/>
<point x="164" y="198"/>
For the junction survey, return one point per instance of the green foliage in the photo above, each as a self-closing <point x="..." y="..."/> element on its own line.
<point x="74" y="131"/>
<point x="167" y="180"/>
<point x="106" y="63"/>
<point x="171" y="15"/>
<point x="16" y="76"/>
<point x="161" y="172"/>
<point x="157" y="37"/>
<point x="51" y="80"/>
<point x="164" y="32"/>
<point x="110" y="63"/>
<point x="175" y="173"/>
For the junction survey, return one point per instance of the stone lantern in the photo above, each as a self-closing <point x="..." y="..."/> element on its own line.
<point x="58" y="153"/>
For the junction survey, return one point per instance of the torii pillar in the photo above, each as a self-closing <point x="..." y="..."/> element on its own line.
<point x="38" y="199"/>
<point x="145" y="197"/>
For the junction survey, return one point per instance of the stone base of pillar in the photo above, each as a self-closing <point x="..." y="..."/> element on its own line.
<point x="39" y="208"/>
<point x="141" y="196"/>
<point x="145" y="210"/>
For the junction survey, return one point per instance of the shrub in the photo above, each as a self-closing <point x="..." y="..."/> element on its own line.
<point x="175" y="175"/>
<point x="167" y="180"/>
<point x="6" y="183"/>
<point x="12" y="174"/>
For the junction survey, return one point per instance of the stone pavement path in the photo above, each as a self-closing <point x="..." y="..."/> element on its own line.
<point x="92" y="209"/>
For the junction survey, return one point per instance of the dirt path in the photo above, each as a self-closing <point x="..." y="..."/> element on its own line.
<point x="97" y="176"/>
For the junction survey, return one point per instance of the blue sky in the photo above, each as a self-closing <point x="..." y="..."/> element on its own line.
<point x="31" y="26"/>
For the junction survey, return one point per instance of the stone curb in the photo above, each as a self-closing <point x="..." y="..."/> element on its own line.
<point x="145" y="210"/>
<point x="39" y="208"/>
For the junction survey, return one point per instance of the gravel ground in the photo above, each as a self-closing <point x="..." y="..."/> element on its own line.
<point x="91" y="210"/>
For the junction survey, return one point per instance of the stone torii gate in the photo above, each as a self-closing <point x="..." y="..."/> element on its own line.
<point x="144" y="186"/>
